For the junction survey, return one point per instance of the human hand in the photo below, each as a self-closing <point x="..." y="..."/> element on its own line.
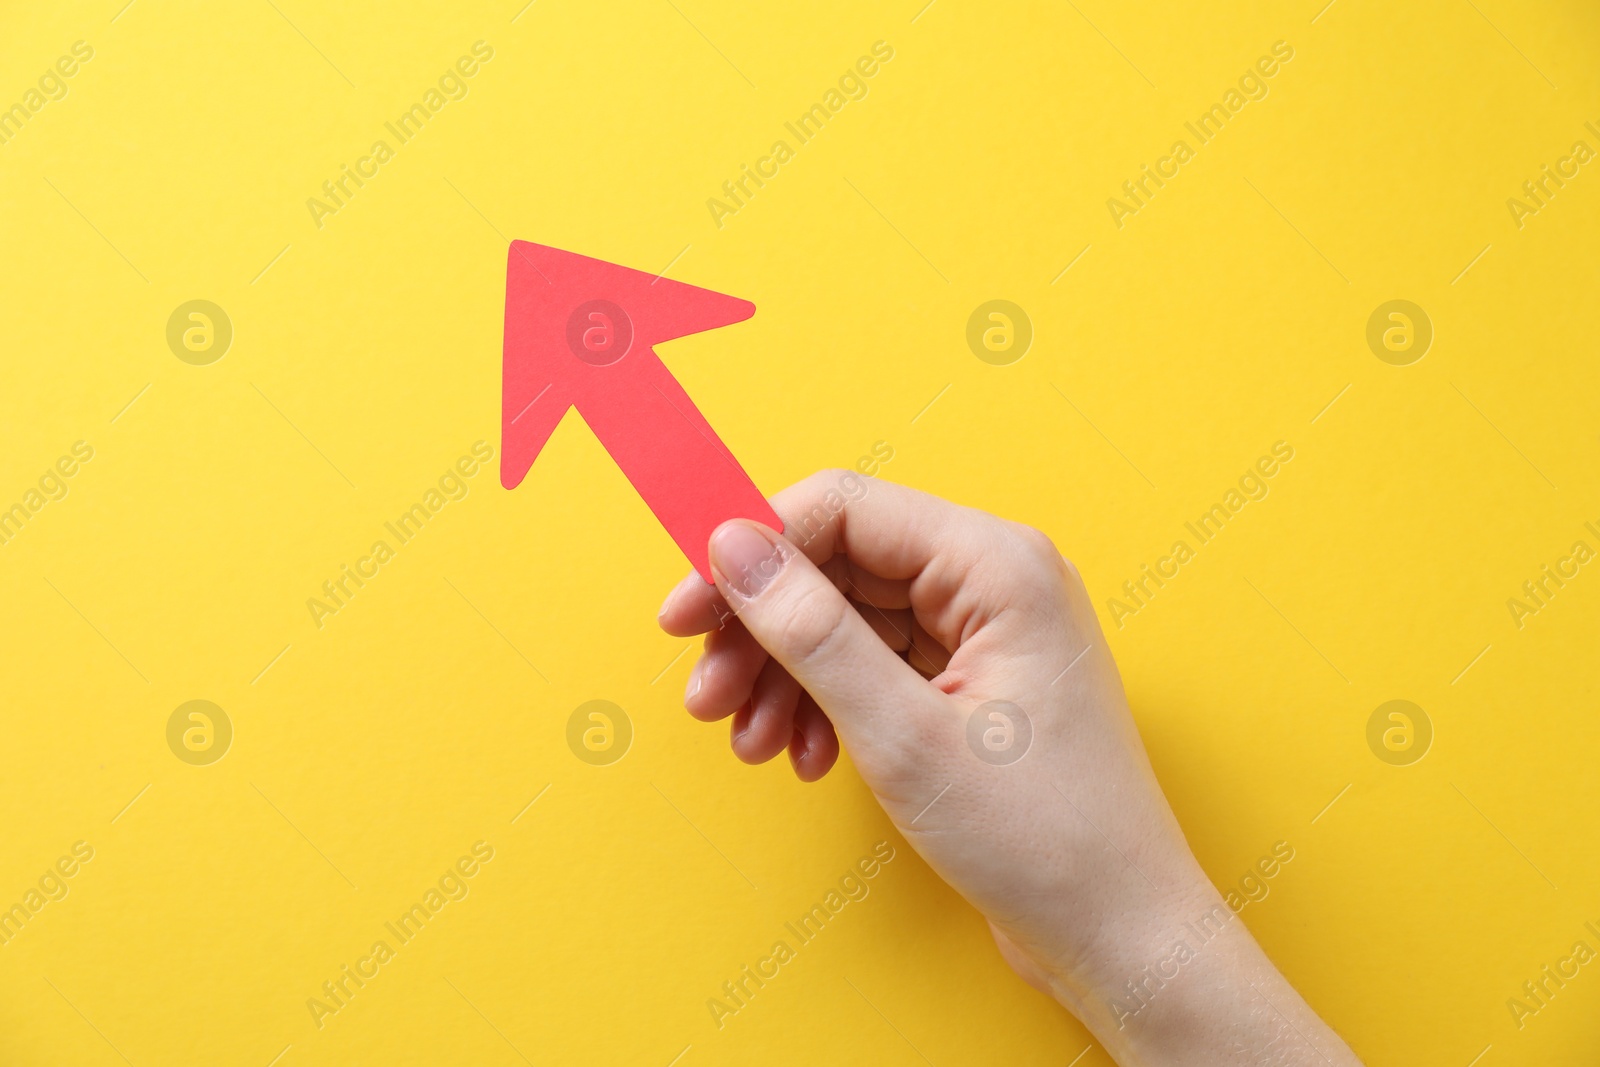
<point x="958" y="658"/>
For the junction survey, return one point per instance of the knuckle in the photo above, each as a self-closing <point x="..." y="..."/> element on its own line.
<point x="1038" y="543"/>
<point x="813" y="621"/>
<point x="917" y="749"/>
<point x="1039" y="548"/>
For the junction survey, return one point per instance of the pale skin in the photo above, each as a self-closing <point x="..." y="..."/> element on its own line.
<point x="883" y="621"/>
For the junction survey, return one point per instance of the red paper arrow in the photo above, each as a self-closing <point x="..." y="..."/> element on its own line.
<point x="581" y="332"/>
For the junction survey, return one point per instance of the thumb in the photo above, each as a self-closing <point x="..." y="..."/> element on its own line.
<point x="804" y="622"/>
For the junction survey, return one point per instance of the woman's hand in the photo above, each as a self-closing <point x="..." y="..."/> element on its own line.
<point x="957" y="657"/>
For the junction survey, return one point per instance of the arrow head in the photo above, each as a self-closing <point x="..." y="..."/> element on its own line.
<point x="580" y="332"/>
<point x="551" y="296"/>
<point x="661" y="309"/>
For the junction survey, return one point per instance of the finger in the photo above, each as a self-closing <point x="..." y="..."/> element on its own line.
<point x="763" y="729"/>
<point x="814" y="747"/>
<point x="927" y="655"/>
<point x="693" y="607"/>
<point x="892" y="627"/>
<point x="722" y="679"/>
<point x="887" y="530"/>
<point x="864" y="586"/>
<point x="798" y="616"/>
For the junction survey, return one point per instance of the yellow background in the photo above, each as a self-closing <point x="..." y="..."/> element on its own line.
<point x="371" y="753"/>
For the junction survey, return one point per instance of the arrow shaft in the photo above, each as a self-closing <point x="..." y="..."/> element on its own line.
<point x="673" y="457"/>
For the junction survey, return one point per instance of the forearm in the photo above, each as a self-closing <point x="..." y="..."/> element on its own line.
<point x="1191" y="986"/>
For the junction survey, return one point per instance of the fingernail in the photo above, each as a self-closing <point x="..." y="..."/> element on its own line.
<point x="746" y="557"/>
<point x="694" y="683"/>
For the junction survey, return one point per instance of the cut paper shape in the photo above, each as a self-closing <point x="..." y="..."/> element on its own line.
<point x="581" y="332"/>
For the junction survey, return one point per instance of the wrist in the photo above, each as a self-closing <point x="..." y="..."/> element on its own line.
<point x="1141" y="956"/>
<point x="1185" y="982"/>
